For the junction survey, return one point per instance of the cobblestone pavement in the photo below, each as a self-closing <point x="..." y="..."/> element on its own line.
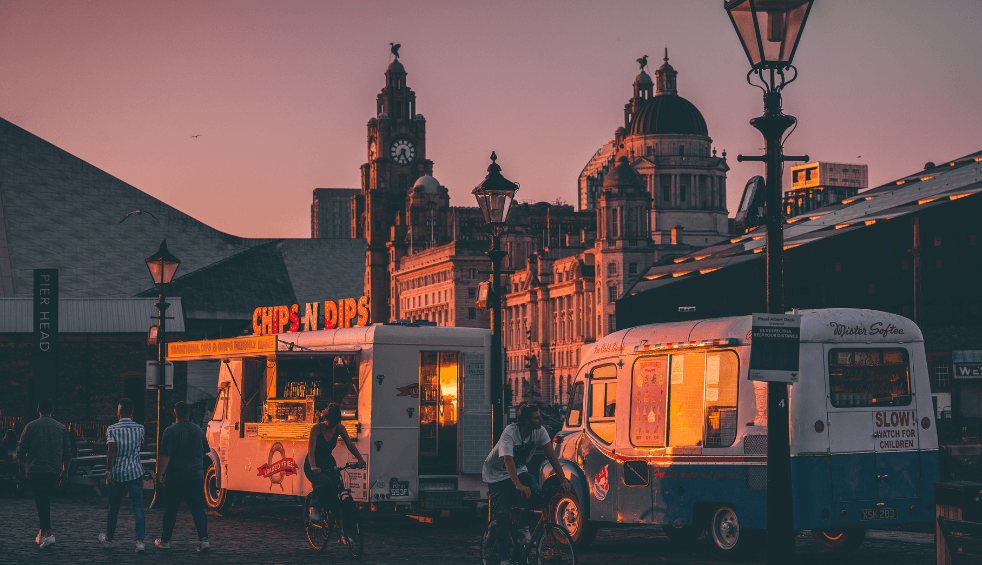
<point x="270" y="532"/>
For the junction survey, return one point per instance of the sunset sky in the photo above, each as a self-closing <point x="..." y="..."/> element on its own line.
<point x="279" y="92"/>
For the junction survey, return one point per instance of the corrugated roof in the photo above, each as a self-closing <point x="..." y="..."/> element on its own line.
<point x="92" y="315"/>
<point x="943" y="184"/>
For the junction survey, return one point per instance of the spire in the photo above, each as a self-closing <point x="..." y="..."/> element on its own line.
<point x="665" y="77"/>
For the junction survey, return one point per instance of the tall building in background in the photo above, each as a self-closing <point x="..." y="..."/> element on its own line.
<point x="818" y="184"/>
<point x="666" y="140"/>
<point x="330" y="213"/>
<point x="396" y="145"/>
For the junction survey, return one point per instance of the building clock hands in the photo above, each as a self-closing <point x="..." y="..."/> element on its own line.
<point x="402" y="151"/>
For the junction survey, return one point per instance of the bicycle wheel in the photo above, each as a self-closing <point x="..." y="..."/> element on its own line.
<point x="555" y="547"/>
<point x="351" y="534"/>
<point x="317" y="532"/>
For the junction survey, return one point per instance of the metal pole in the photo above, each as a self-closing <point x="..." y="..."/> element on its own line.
<point x="780" y="516"/>
<point x="162" y="305"/>
<point x="497" y="375"/>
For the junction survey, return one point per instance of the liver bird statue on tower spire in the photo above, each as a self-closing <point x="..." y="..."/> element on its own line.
<point x="643" y="61"/>
<point x="395" y="48"/>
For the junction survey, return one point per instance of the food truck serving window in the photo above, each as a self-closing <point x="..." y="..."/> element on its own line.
<point x="297" y="388"/>
<point x="869" y="377"/>
<point x="685" y="400"/>
<point x="603" y="402"/>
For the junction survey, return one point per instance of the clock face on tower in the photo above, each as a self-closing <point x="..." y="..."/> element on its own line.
<point x="402" y="151"/>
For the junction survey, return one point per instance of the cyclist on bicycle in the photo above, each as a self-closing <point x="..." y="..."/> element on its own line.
<point x="319" y="465"/>
<point x="507" y="476"/>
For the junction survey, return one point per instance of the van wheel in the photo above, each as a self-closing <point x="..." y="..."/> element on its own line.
<point x="835" y="541"/>
<point x="567" y="512"/>
<point x="682" y="534"/>
<point x="217" y="498"/>
<point x="725" y="533"/>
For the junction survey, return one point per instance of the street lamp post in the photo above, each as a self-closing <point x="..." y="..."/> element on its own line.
<point x="162" y="265"/>
<point x="781" y="23"/>
<point x="494" y="196"/>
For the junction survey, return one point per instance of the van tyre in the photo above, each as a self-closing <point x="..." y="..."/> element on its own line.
<point x="728" y="540"/>
<point x="217" y="498"/>
<point x="840" y="540"/>
<point x="568" y="513"/>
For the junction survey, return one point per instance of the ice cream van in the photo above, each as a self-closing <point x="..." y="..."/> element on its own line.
<point x="409" y="395"/>
<point x="664" y="427"/>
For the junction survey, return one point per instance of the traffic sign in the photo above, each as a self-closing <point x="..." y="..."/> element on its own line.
<point x="774" y="345"/>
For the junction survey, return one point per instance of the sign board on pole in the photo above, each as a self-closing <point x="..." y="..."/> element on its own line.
<point x="153" y="375"/>
<point x="774" y="345"/>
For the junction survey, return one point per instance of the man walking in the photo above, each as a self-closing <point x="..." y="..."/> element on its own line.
<point x="46" y="452"/>
<point x="124" y="472"/>
<point x="182" y="451"/>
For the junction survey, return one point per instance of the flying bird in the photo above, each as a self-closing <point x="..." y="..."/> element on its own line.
<point x="138" y="212"/>
<point x="643" y="61"/>
<point x="199" y="135"/>
<point x="395" y="48"/>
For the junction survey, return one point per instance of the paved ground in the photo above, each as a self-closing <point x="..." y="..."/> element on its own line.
<point x="268" y="532"/>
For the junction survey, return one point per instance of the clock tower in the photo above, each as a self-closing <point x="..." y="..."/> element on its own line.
<point x="396" y="159"/>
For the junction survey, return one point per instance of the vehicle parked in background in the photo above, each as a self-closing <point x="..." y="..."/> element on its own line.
<point x="665" y="428"/>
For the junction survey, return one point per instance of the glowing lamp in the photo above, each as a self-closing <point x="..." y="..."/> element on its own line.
<point x="769" y="30"/>
<point x="162" y="265"/>
<point x="495" y="194"/>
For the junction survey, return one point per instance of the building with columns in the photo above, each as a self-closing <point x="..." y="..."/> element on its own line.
<point x="655" y="192"/>
<point x="666" y="140"/>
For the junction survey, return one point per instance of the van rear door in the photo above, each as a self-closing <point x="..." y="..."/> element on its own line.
<point x="872" y="423"/>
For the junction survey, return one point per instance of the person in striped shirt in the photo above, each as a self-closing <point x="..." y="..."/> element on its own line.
<point x="124" y="472"/>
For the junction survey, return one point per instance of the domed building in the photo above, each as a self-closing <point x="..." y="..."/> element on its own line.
<point x="666" y="140"/>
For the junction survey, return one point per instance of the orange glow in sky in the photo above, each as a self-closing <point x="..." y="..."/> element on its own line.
<point x="234" y="112"/>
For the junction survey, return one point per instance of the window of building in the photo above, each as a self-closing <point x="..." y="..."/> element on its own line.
<point x="681" y="149"/>
<point x="472" y="313"/>
<point x="612" y="322"/>
<point x="941" y="375"/>
<point x="471" y="293"/>
<point x="403" y="183"/>
<point x="682" y="190"/>
<point x="611" y="269"/>
<point x="632" y="268"/>
<point x="666" y="192"/>
<point x="603" y="403"/>
<point x="612" y="293"/>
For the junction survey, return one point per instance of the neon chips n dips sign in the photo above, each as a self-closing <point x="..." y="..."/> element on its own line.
<point x="344" y="313"/>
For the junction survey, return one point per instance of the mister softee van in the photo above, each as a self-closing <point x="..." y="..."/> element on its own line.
<point x="664" y="427"/>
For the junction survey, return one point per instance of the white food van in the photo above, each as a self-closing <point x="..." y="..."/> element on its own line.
<point x="664" y="427"/>
<point x="414" y="400"/>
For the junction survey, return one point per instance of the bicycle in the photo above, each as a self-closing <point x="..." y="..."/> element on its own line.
<point x="548" y="544"/>
<point x="342" y="523"/>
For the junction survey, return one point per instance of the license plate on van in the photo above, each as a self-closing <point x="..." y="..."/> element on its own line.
<point x="878" y="514"/>
<point x="399" y="488"/>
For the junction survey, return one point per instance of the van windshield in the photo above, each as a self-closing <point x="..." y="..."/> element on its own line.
<point x="869" y="377"/>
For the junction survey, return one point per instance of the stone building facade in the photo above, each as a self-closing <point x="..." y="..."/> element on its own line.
<point x="666" y="140"/>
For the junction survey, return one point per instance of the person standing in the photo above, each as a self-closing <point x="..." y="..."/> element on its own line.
<point x="182" y="451"/>
<point x="124" y="472"/>
<point x="46" y="452"/>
